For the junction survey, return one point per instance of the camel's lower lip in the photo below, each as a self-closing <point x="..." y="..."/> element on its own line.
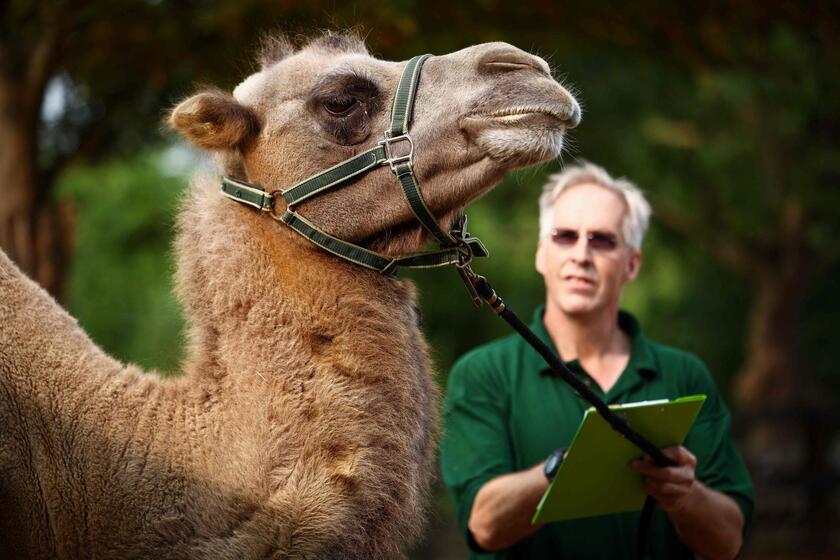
<point x="520" y="136"/>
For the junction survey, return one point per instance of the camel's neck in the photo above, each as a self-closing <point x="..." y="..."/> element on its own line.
<point x="277" y="324"/>
<point x="242" y="274"/>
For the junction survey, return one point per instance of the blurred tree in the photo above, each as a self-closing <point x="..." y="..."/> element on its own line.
<point x="749" y="104"/>
<point x="105" y="67"/>
<point x="110" y="69"/>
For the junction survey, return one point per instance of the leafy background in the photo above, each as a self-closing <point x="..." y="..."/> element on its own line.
<point x="726" y="115"/>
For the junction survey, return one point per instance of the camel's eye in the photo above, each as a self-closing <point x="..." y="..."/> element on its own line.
<point x="344" y="104"/>
<point x="341" y="106"/>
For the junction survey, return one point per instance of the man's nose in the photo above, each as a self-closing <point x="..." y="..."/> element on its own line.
<point x="580" y="252"/>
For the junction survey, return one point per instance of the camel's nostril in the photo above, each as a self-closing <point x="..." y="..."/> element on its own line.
<point x="510" y="58"/>
<point x="511" y="65"/>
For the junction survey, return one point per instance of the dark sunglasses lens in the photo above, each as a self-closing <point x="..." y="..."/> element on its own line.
<point x="602" y="241"/>
<point x="565" y="236"/>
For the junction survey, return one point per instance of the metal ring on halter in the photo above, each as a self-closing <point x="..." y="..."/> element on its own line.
<point x="465" y="254"/>
<point x="272" y="210"/>
<point x="390" y="159"/>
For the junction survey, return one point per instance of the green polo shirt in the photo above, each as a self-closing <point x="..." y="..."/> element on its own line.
<point x="506" y="412"/>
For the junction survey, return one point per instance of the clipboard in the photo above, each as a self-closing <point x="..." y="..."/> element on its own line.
<point x="594" y="477"/>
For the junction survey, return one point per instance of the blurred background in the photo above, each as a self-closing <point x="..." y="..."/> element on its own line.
<point x="726" y="114"/>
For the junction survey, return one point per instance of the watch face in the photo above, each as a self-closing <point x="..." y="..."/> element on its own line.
<point x="552" y="463"/>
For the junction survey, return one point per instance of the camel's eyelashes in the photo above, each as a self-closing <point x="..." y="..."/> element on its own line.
<point x="340" y="94"/>
<point x="341" y="106"/>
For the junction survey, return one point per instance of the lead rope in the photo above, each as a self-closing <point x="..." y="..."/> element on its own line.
<point x="457" y="247"/>
<point x="479" y="284"/>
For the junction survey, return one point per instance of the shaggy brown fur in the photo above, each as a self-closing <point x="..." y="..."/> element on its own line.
<point x="304" y="424"/>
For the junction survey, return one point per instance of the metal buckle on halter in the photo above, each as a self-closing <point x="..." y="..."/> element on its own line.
<point x="392" y="160"/>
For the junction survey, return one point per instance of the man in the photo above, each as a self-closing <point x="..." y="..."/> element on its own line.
<point x="505" y="413"/>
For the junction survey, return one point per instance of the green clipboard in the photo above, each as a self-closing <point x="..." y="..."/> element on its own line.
<point x="594" y="477"/>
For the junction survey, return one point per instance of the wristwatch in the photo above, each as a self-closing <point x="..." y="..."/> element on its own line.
<point x="552" y="462"/>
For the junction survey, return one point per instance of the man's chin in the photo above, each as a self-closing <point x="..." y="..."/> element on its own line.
<point x="578" y="308"/>
<point x="576" y="302"/>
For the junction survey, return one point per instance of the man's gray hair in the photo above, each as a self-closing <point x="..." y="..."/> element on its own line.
<point x="635" y="222"/>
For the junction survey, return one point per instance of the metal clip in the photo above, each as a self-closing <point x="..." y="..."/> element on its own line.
<point x="468" y="276"/>
<point x="459" y="230"/>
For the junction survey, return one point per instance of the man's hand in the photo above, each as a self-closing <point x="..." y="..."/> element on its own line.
<point x="708" y="521"/>
<point x="671" y="487"/>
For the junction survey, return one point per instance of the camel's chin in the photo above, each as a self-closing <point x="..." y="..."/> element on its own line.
<point x="518" y="140"/>
<point x="411" y="236"/>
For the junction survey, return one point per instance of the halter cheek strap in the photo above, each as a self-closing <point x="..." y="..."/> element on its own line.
<point x="457" y="247"/>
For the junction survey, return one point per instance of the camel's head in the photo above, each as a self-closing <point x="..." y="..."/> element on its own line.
<point x="479" y="113"/>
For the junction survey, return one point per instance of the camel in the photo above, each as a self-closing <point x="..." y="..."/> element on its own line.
<point x="304" y="422"/>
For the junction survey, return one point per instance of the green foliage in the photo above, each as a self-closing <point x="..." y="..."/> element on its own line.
<point x="120" y="283"/>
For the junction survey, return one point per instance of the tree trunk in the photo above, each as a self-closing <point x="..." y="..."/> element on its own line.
<point x="771" y="374"/>
<point x="33" y="228"/>
<point x="787" y="441"/>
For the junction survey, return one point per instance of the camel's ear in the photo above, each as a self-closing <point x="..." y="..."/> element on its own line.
<point x="215" y="120"/>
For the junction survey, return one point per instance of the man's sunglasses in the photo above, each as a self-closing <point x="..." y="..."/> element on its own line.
<point x="597" y="240"/>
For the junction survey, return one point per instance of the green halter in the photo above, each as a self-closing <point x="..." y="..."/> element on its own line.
<point x="457" y="247"/>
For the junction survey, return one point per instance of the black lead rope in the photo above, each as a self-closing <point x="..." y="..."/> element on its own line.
<point x="457" y="247"/>
<point x="616" y="421"/>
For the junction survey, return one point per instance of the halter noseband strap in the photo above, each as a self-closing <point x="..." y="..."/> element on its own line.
<point x="457" y="247"/>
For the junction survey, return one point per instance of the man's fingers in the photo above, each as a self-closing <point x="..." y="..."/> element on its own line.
<point x="650" y="470"/>
<point x="669" y="486"/>
<point x="668" y="496"/>
<point x="683" y="475"/>
<point x="664" y="490"/>
<point x="680" y="455"/>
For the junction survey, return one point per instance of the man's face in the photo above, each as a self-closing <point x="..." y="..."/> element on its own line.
<point x="586" y="262"/>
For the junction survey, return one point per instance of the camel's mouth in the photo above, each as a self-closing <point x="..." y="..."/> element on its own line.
<point x="409" y="236"/>
<point x="520" y="117"/>
<point x="566" y="115"/>
<point x="522" y="136"/>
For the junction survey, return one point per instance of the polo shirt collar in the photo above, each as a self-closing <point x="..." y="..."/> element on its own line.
<point x="642" y="361"/>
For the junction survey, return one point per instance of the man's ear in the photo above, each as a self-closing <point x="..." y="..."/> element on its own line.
<point x="634" y="266"/>
<point x="539" y="258"/>
<point x="215" y="120"/>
